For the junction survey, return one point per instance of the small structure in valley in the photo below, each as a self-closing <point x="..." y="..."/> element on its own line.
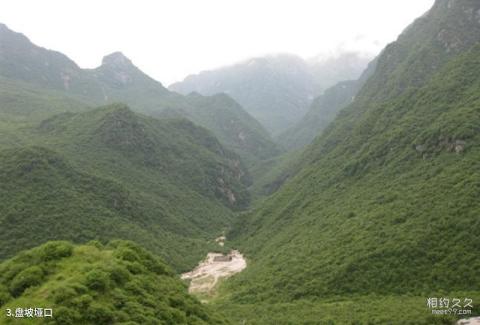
<point x="222" y="258"/>
<point x="220" y="240"/>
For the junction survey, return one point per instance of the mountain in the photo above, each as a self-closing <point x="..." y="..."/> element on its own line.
<point x="39" y="83"/>
<point x="277" y="89"/>
<point x="21" y="60"/>
<point x="111" y="173"/>
<point x="236" y="130"/>
<point x="384" y="210"/>
<point x="323" y="111"/>
<point x="120" y="283"/>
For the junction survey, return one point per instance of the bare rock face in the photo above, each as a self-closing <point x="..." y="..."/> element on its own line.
<point x="443" y="143"/>
<point x="226" y="191"/>
<point x="459" y="146"/>
<point x="118" y="68"/>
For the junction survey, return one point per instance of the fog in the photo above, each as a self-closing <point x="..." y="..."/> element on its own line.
<point x="171" y="39"/>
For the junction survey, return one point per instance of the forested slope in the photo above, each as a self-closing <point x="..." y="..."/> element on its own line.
<point x="387" y="200"/>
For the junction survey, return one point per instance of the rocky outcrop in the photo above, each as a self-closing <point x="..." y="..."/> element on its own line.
<point x="443" y="143"/>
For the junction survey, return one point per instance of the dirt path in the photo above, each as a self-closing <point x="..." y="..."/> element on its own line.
<point x="216" y="266"/>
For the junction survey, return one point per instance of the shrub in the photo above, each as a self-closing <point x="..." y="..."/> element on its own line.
<point x="63" y="293"/>
<point x="97" y="280"/>
<point x="119" y="275"/>
<point x="56" y="250"/>
<point x="4" y="295"/>
<point x="66" y="316"/>
<point x="100" y="314"/>
<point x="29" y="277"/>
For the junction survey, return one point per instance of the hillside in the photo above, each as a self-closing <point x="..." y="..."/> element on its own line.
<point x="118" y="283"/>
<point x="323" y="111"/>
<point x="236" y="130"/>
<point x="166" y="184"/>
<point x="37" y="83"/>
<point x="278" y="89"/>
<point x="175" y="149"/>
<point x="383" y="211"/>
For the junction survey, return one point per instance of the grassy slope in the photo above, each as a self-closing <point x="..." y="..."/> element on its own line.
<point x="119" y="283"/>
<point x="384" y="205"/>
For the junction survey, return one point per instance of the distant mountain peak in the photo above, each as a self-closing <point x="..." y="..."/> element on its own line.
<point x="10" y="34"/>
<point x="116" y="59"/>
<point x="119" y="71"/>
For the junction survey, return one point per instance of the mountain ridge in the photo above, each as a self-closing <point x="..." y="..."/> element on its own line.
<point x="275" y="89"/>
<point x="112" y="173"/>
<point x="117" y="79"/>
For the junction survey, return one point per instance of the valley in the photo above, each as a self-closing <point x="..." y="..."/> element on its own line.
<point x="342" y="189"/>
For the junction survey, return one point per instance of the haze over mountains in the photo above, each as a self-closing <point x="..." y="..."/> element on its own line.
<point x="116" y="80"/>
<point x="278" y="89"/>
<point x="366" y="206"/>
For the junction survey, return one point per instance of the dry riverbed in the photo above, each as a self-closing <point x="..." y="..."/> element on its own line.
<point x="215" y="267"/>
<point x="470" y="321"/>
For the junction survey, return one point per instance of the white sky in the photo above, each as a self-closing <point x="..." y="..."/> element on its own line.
<point x="171" y="39"/>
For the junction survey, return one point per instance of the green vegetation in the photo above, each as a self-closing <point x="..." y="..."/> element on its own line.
<point x="386" y="202"/>
<point x="269" y="175"/>
<point x="119" y="283"/>
<point x="110" y="173"/>
<point x="275" y="89"/>
<point x="173" y="149"/>
<point x="368" y="310"/>
<point x="36" y="83"/>
<point x="378" y="214"/>
<point x="237" y="130"/>
<point x="323" y="111"/>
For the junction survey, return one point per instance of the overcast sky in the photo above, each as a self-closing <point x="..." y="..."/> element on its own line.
<point x="171" y="39"/>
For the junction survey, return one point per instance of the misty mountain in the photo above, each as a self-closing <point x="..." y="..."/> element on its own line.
<point x="36" y="79"/>
<point x="278" y="89"/>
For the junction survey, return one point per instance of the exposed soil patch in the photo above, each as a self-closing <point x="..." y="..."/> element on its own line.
<point x="470" y="321"/>
<point x="216" y="266"/>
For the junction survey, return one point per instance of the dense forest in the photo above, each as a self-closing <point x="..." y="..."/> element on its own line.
<point x="338" y="196"/>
